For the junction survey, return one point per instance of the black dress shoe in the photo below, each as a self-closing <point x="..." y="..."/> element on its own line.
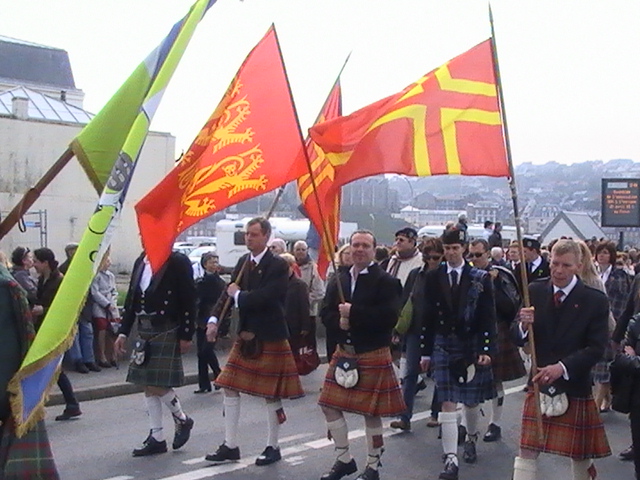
<point x="150" y="446"/>
<point x="401" y="424"/>
<point x="93" y="367"/>
<point x="104" y="364"/>
<point x="450" y="471"/>
<point x="494" y="432"/>
<point x="469" y="453"/>
<point x="202" y="390"/>
<point x="340" y="469"/>
<point x="369" y="474"/>
<point x="224" y="454"/>
<point x="182" y="433"/>
<point x="421" y="385"/>
<point x="81" y="368"/>
<point x="269" y="456"/>
<point x="69" y="413"/>
<point x="626" y="455"/>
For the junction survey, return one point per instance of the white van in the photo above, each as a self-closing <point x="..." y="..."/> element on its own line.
<point x="230" y="235"/>
<point x="473" y="231"/>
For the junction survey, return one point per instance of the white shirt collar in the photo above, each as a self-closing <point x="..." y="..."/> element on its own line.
<point x="536" y="263"/>
<point x="604" y="275"/>
<point x="258" y="258"/>
<point x="567" y="290"/>
<point x="355" y="276"/>
<point x="457" y="269"/>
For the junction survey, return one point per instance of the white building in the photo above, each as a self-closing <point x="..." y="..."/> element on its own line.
<point x="36" y="127"/>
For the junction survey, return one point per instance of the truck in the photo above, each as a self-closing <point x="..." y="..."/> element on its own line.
<point x="230" y="235"/>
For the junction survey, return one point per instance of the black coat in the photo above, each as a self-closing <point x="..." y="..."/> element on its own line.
<point x="297" y="307"/>
<point x="414" y="290"/>
<point x="171" y="295"/>
<point x="209" y="289"/>
<point x="263" y="291"/>
<point x="375" y="304"/>
<point x="542" y="271"/>
<point x="632" y="307"/>
<point x="472" y="317"/>
<point x="575" y="333"/>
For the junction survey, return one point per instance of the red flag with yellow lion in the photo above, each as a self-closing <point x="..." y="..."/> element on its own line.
<point x="250" y="145"/>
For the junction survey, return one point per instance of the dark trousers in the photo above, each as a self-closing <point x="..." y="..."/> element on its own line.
<point x="634" y="416"/>
<point x="67" y="390"/>
<point x="436" y="405"/>
<point x="206" y="358"/>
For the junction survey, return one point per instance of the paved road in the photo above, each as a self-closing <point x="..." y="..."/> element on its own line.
<point x="98" y="445"/>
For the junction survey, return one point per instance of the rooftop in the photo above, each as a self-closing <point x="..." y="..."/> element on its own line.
<point x="43" y="107"/>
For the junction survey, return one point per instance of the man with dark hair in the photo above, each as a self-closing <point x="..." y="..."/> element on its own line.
<point x="488" y="229"/>
<point x="360" y="378"/>
<point x="163" y="305"/>
<point x="260" y="363"/>
<point x="569" y="320"/>
<point x="507" y="364"/>
<point x="458" y="339"/>
<point x="69" y="251"/>
<point x="495" y="239"/>
<point x="537" y="267"/>
<point x="49" y="280"/>
<point x="209" y="287"/>
<point x="406" y="256"/>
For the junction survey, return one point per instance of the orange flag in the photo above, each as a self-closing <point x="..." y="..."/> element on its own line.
<point x="250" y="145"/>
<point x="326" y="215"/>
<point x="448" y="122"/>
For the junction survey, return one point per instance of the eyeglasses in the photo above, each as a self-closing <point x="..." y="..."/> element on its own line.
<point x="476" y="255"/>
<point x="433" y="257"/>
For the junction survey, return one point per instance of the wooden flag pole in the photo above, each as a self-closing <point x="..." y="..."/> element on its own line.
<point x="516" y="214"/>
<point x="30" y="197"/>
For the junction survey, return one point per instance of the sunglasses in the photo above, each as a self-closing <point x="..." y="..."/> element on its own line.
<point x="476" y="255"/>
<point x="433" y="257"/>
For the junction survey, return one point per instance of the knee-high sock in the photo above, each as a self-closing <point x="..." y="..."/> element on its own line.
<point x="496" y="410"/>
<point x="449" y="424"/>
<point x="340" y="434"/>
<point x="580" y="468"/>
<point x="273" y="419"/>
<point x="374" y="443"/>
<point x="471" y="419"/>
<point x="154" y="409"/>
<point x="524" y="469"/>
<point x="231" y="418"/>
<point x="172" y="402"/>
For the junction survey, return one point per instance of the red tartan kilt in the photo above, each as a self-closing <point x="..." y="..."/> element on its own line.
<point x="578" y="434"/>
<point x="272" y="375"/>
<point x="507" y="364"/>
<point x="377" y="392"/>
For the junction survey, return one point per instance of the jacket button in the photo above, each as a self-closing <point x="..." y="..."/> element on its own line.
<point x="161" y="312"/>
<point x="422" y="345"/>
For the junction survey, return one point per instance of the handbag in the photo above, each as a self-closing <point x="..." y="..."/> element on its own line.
<point x="346" y="372"/>
<point x="622" y="380"/>
<point x="307" y="360"/>
<point x="141" y="352"/>
<point x="553" y="401"/>
<point x="404" y="320"/>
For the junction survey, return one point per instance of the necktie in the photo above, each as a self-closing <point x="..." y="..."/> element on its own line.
<point x="557" y="298"/>
<point x="454" y="280"/>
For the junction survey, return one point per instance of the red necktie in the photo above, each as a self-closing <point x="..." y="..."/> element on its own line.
<point x="557" y="298"/>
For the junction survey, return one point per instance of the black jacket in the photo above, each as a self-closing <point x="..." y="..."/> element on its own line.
<point x="297" y="307"/>
<point x="472" y="317"/>
<point x="375" y="304"/>
<point x="575" y="333"/>
<point x="209" y="288"/>
<point x="262" y="297"/>
<point x="542" y="271"/>
<point x="171" y="295"/>
<point x="414" y="290"/>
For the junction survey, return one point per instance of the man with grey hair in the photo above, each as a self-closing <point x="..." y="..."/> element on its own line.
<point x="497" y="257"/>
<point x="570" y="323"/>
<point x="277" y="246"/>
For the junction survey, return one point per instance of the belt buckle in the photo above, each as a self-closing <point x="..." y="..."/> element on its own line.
<point x="350" y="349"/>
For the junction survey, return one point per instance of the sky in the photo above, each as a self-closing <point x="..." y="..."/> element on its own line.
<point x="570" y="68"/>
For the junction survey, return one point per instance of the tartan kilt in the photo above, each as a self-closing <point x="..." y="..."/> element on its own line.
<point x="164" y="367"/>
<point x="507" y="364"/>
<point x="578" y="434"/>
<point x="26" y="458"/>
<point x="377" y="393"/>
<point x="481" y="388"/>
<point x="272" y="375"/>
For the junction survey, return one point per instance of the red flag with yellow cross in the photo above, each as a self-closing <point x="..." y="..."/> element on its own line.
<point x="250" y="145"/>
<point x="323" y="210"/>
<point x="447" y="123"/>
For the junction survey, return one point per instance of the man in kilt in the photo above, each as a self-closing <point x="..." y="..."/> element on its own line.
<point x="507" y="363"/>
<point x="364" y="320"/>
<point x="458" y="341"/>
<point x="260" y="363"/>
<point x="163" y="306"/>
<point x="570" y="325"/>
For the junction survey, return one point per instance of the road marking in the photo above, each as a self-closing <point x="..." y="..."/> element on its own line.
<point x="293" y="438"/>
<point x="215" y="470"/>
<point x="120" y="477"/>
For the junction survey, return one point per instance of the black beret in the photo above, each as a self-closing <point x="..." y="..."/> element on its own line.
<point x="454" y="235"/>
<point x="531" y="242"/>
<point x="408" y="232"/>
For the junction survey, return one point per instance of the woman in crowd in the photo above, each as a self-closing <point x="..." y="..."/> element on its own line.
<point x="616" y="283"/>
<point x="104" y="311"/>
